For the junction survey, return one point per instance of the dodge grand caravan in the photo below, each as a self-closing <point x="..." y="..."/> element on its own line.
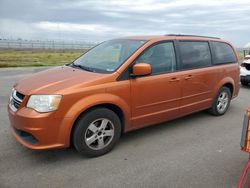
<point x="122" y="85"/>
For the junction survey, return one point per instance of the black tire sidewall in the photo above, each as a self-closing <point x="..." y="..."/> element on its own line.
<point x="82" y="125"/>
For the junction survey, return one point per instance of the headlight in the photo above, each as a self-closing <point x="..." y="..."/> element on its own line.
<point x="44" y="103"/>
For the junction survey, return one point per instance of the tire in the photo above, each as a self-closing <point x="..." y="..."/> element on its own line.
<point x="96" y="132"/>
<point x="244" y="83"/>
<point x="221" y="102"/>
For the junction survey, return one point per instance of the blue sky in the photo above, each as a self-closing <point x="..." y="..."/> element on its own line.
<point x="96" y="20"/>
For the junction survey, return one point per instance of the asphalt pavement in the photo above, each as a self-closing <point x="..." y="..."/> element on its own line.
<point x="198" y="150"/>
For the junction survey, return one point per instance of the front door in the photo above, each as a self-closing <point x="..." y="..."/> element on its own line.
<point x="156" y="97"/>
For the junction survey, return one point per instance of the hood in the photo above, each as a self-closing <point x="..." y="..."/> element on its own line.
<point x="54" y="80"/>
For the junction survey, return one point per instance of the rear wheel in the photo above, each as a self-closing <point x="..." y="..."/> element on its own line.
<point x="96" y="132"/>
<point x="221" y="102"/>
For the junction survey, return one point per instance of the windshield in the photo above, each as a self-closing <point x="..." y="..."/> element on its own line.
<point x="108" y="56"/>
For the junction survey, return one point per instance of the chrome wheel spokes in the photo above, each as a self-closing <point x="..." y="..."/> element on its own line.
<point x="222" y="102"/>
<point x="99" y="134"/>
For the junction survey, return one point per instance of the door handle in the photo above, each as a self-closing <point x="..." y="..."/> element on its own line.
<point x="174" y="79"/>
<point x="188" y="77"/>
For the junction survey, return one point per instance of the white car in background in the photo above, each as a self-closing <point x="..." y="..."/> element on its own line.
<point x="245" y="71"/>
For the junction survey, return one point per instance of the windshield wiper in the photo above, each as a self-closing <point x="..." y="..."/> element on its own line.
<point x="83" y="67"/>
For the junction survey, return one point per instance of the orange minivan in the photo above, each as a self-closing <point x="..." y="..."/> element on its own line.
<point x="122" y="85"/>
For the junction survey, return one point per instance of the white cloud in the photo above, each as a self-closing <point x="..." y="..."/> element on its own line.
<point x="16" y="29"/>
<point x="71" y="27"/>
<point x="115" y="14"/>
<point x="101" y="20"/>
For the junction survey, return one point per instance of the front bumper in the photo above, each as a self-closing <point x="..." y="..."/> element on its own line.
<point x="39" y="131"/>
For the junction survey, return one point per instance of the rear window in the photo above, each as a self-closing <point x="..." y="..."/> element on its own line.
<point x="195" y="54"/>
<point x="223" y="53"/>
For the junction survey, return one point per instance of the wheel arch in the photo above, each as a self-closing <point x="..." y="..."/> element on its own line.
<point x="112" y="102"/>
<point x="230" y="86"/>
<point x="226" y="82"/>
<point x="116" y="109"/>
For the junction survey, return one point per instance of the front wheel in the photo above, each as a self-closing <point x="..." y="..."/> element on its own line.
<point x="96" y="132"/>
<point x="221" y="102"/>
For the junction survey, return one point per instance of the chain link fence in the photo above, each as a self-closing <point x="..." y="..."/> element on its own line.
<point x="56" y="45"/>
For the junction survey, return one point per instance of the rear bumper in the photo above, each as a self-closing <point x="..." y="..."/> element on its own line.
<point x="39" y="131"/>
<point x="245" y="78"/>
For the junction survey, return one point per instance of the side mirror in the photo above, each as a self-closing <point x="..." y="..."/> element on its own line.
<point x="141" y="69"/>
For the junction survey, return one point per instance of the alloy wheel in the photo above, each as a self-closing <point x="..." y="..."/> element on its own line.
<point x="99" y="134"/>
<point x="222" y="102"/>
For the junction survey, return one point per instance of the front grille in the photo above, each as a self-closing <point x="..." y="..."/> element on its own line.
<point x="247" y="66"/>
<point x="20" y="95"/>
<point x="16" y="100"/>
<point x="16" y="103"/>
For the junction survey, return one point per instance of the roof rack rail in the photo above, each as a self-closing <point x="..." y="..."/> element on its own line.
<point x="182" y="35"/>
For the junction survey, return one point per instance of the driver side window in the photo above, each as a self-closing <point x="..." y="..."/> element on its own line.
<point x="161" y="57"/>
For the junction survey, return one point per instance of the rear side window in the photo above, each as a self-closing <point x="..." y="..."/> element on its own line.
<point x="195" y="54"/>
<point x="223" y="53"/>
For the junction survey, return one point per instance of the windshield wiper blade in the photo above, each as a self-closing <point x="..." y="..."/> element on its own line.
<point x="83" y="67"/>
